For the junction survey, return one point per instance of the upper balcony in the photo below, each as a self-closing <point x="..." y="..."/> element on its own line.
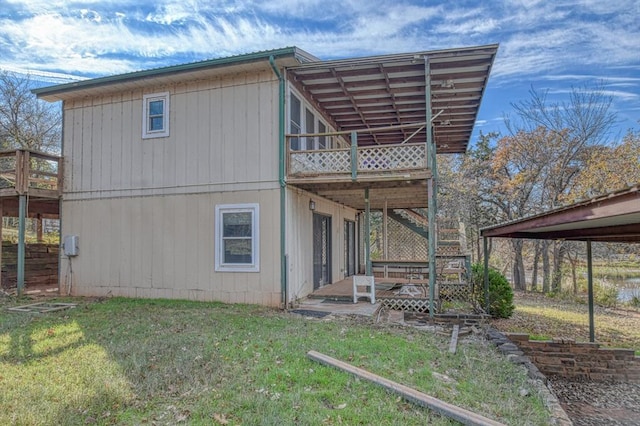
<point x="35" y="173"/>
<point x="358" y="164"/>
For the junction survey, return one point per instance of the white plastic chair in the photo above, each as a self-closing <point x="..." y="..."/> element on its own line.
<point x="364" y="286"/>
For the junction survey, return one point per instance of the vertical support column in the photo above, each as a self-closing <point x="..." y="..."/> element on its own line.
<point x="431" y="206"/>
<point x="486" y="273"/>
<point x="385" y="235"/>
<point x="1" y="221"/>
<point x="39" y="230"/>
<point x="367" y="233"/>
<point x="592" y="333"/>
<point x="354" y="156"/>
<point x="22" y="213"/>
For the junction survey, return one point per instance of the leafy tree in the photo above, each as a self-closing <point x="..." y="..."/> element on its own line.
<point x="608" y="168"/>
<point x="574" y="127"/>
<point x="25" y="121"/>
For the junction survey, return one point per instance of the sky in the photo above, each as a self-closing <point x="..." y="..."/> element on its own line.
<point x="550" y="46"/>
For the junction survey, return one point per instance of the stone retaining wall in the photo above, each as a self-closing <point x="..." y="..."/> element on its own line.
<point x="566" y="358"/>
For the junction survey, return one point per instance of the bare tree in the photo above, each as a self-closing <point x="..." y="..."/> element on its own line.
<point x="578" y="124"/>
<point x="25" y="121"/>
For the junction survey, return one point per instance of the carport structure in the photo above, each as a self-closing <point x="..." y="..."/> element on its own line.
<point x="613" y="217"/>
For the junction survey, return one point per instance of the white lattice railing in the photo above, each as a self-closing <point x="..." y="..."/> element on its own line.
<point x="369" y="159"/>
<point x="320" y="162"/>
<point x="393" y="157"/>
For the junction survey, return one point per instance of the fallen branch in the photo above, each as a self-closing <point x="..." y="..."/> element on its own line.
<point x="460" y="414"/>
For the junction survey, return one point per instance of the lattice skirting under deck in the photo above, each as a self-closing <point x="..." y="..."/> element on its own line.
<point x="406" y="304"/>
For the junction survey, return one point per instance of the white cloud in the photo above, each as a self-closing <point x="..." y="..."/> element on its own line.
<point x="539" y="40"/>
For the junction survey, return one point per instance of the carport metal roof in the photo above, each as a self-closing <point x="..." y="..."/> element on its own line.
<point x="392" y="90"/>
<point x="613" y="217"/>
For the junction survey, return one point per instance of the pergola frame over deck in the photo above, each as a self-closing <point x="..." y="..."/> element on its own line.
<point x="613" y="217"/>
<point x="429" y="98"/>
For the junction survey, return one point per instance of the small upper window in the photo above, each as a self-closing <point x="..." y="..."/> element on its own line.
<point x="155" y="115"/>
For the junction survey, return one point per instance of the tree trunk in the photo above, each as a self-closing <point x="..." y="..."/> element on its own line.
<point x="574" y="277"/>
<point x="559" y="252"/>
<point x="546" y="267"/>
<point x="534" y="274"/>
<point x="519" y="282"/>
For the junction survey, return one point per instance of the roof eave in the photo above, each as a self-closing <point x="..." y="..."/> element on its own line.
<point x="58" y="92"/>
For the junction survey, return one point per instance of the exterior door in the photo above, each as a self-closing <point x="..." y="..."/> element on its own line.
<point x="349" y="248"/>
<point x="321" y="250"/>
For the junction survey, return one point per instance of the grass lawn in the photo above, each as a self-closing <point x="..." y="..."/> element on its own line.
<point x="126" y="361"/>
<point x="546" y="317"/>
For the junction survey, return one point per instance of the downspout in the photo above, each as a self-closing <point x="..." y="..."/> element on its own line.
<point x="60" y="191"/>
<point x="284" y="299"/>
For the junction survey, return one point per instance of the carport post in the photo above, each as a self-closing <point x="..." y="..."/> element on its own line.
<point x="592" y="332"/>
<point x="485" y="248"/>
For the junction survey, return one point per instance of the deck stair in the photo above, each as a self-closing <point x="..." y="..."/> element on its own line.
<point x="408" y="218"/>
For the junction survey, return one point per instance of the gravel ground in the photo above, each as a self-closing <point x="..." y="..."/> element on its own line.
<point x="585" y="402"/>
<point x="598" y="403"/>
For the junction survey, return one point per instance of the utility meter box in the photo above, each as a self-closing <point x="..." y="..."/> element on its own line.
<point x="70" y="245"/>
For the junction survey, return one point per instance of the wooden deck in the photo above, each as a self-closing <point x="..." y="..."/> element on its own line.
<point x="25" y="171"/>
<point x="385" y="288"/>
<point x="395" y="174"/>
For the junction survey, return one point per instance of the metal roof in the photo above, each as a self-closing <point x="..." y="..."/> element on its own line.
<point x="380" y="91"/>
<point x="355" y="94"/>
<point x="613" y="217"/>
<point x="173" y="74"/>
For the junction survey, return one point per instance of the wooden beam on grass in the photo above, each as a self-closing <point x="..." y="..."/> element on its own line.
<point x="465" y="417"/>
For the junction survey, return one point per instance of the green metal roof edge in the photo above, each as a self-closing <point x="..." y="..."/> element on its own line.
<point x="210" y="63"/>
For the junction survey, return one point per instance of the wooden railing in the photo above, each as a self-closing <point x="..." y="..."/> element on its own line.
<point x="30" y="172"/>
<point x="360" y="161"/>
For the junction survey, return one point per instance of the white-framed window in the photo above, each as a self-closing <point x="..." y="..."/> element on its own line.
<point x="303" y="119"/>
<point x="237" y="238"/>
<point x="295" y="121"/>
<point x="155" y="115"/>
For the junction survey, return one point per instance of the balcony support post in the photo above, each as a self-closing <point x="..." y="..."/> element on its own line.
<point x="431" y="197"/>
<point x="367" y="233"/>
<point x="354" y="156"/>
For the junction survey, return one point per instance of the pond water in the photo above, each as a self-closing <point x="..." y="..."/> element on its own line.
<point x="627" y="288"/>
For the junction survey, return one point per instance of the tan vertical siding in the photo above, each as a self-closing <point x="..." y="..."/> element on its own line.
<point x="300" y="239"/>
<point x="163" y="246"/>
<point x="144" y="208"/>
<point x="222" y="132"/>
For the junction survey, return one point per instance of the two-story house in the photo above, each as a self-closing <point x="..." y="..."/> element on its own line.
<point x="250" y="179"/>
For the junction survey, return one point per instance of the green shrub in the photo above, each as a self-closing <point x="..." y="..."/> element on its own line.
<point x="605" y="294"/>
<point x="500" y="292"/>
